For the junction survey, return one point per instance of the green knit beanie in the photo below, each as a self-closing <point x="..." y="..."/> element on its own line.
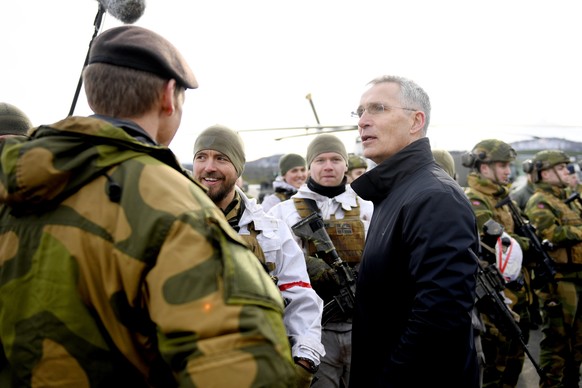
<point x="225" y="140"/>
<point x="445" y="160"/>
<point x="13" y="121"/>
<point x="326" y="143"/>
<point x="289" y="161"/>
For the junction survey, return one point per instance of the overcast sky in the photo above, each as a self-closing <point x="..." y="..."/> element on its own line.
<point x="498" y="69"/>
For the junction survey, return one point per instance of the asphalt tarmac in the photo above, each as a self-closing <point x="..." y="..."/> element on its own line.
<point x="529" y="378"/>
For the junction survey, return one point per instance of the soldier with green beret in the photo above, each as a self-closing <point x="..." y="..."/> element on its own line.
<point x="560" y="222"/>
<point x="116" y="269"/>
<point x="488" y="184"/>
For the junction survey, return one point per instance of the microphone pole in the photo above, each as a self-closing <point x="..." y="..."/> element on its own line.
<point x="97" y="24"/>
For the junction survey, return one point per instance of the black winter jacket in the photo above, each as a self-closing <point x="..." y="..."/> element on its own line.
<point x="416" y="284"/>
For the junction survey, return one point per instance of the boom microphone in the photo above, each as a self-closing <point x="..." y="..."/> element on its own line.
<point x="126" y="11"/>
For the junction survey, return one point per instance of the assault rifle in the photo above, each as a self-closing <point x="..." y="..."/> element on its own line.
<point x="490" y="284"/>
<point x="573" y="197"/>
<point x="313" y="229"/>
<point x="544" y="267"/>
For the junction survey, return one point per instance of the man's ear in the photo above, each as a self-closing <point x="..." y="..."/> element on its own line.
<point x="419" y="120"/>
<point x="169" y="97"/>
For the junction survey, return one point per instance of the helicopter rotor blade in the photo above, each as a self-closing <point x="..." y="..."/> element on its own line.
<point x="342" y="128"/>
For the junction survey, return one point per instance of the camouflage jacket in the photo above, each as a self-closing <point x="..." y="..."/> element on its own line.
<point x="557" y="222"/>
<point x="117" y="270"/>
<point x="484" y="194"/>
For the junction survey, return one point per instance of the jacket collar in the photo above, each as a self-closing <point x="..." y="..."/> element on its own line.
<point x="377" y="183"/>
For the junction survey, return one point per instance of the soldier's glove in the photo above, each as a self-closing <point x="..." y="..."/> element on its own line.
<point x="304" y="373"/>
<point x="320" y="272"/>
<point x="304" y="377"/>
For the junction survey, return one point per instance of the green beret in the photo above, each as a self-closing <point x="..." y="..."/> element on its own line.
<point x="326" y="143"/>
<point x="289" y="161"/>
<point x="13" y="121"/>
<point x="224" y="140"/>
<point x="141" y="49"/>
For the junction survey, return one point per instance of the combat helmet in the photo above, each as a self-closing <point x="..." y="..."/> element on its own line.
<point x="356" y="161"/>
<point x="547" y="159"/>
<point x="488" y="151"/>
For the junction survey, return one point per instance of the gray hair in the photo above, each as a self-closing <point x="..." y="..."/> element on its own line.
<point x="411" y="95"/>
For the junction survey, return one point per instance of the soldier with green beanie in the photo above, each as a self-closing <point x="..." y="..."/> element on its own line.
<point x="488" y="183"/>
<point x="116" y="269"/>
<point x="13" y="121"/>
<point x="218" y="161"/>
<point x="292" y="174"/>
<point x="346" y="217"/>
<point x="560" y="222"/>
<point x="446" y="161"/>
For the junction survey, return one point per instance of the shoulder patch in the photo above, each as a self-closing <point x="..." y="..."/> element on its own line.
<point x="541" y="206"/>
<point x="476" y="202"/>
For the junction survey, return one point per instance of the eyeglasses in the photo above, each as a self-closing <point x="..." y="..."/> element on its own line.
<point x="375" y="108"/>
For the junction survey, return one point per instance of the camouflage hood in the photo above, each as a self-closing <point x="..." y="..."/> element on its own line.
<point x="40" y="171"/>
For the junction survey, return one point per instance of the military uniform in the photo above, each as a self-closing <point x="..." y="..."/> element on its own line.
<point x="333" y="211"/>
<point x="561" y="224"/>
<point x="117" y="270"/>
<point x="346" y="218"/>
<point x="504" y="356"/>
<point x="272" y="242"/>
<point x="283" y="189"/>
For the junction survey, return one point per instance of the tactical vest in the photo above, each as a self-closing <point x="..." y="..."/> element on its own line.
<point x="567" y="216"/>
<point x="347" y="235"/>
<point x="253" y="243"/>
<point x="232" y="216"/>
<point x="282" y="196"/>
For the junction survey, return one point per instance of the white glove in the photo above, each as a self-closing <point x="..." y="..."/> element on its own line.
<point x="509" y="257"/>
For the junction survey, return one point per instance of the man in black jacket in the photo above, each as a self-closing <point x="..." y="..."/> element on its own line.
<point x="416" y="267"/>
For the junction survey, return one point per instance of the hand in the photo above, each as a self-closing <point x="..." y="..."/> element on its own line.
<point x="304" y="377"/>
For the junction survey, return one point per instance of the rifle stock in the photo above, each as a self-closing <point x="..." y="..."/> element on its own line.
<point x="312" y="228"/>
<point x="575" y="196"/>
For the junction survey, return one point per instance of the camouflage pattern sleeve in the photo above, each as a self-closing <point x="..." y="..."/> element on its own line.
<point x="152" y="290"/>
<point x="480" y="207"/>
<point x="217" y="311"/>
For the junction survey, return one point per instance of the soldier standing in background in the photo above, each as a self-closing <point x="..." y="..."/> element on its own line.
<point x="521" y="195"/>
<point x="346" y="218"/>
<point x="561" y="224"/>
<point x="357" y="165"/>
<point x="116" y="269"/>
<point x="574" y="184"/>
<point x="292" y="174"/>
<point x="488" y="184"/>
<point x="219" y="159"/>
